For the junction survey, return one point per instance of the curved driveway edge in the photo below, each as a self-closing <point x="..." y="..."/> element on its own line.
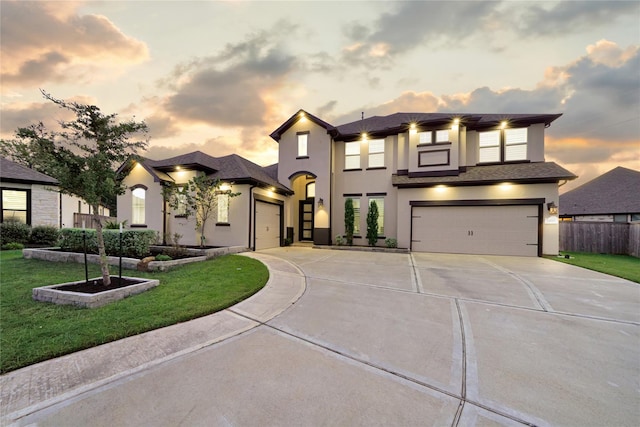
<point x="44" y="384"/>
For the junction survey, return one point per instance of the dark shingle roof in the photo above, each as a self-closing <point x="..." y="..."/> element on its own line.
<point x="276" y="134"/>
<point x="615" y="192"/>
<point x="14" y="172"/>
<point x="229" y="168"/>
<point x="399" y="122"/>
<point x="492" y="174"/>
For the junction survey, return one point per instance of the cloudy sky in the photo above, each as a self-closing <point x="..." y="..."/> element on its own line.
<point x="220" y="76"/>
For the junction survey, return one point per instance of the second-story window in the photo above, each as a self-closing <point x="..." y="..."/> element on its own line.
<point x="489" y="146"/>
<point x="515" y="144"/>
<point x="434" y="136"/>
<point x="508" y="145"/>
<point x="376" y="153"/>
<point x="352" y="155"/>
<point x="303" y="139"/>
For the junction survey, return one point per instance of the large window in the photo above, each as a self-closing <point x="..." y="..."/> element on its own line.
<point x="352" y="155"/>
<point x="380" y="203"/>
<point x="356" y="216"/>
<point x="489" y="146"/>
<point x="515" y="144"/>
<point x="376" y="153"/>
<point x="223" y="207"/>
<point x="508" y="145"/>
<point x="138" y="205"/>
<point x="303" y="139"/>
<point x="15" y="206"/>
<point x="181" y="198"/>
<point x="433" y="136"/>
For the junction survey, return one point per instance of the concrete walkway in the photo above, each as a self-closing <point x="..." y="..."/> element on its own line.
<point x="358" y="338"/>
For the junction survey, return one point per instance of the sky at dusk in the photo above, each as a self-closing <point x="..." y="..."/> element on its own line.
<point x="220" y="76"/>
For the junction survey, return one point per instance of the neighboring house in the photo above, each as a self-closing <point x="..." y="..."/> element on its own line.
<point x="611" y="197"/>
<point x="252" y="219"/>
<point x="458" y="183"/>
<point x="34" y="198"/>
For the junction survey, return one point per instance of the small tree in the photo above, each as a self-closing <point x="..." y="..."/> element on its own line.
<point x="199" y="198"/>
<point x="349" y="218"/>
<point x="372" y="223"/>
<point x="82" y="157"/>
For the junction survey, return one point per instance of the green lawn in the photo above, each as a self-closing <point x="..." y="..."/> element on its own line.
<point x="624" y="266"/>
<point x="34" y="331"/>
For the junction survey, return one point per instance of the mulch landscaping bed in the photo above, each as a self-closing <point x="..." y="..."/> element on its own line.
<point x="95" y="285"/>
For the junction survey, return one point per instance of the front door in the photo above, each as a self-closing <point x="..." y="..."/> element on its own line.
<point x="306" y="219"/>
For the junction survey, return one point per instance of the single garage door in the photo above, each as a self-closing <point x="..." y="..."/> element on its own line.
<point x="267" y="225"/>
<point x="490" y="230"/>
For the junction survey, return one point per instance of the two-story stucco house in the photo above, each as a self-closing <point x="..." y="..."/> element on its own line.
<point x="459" y="183"/>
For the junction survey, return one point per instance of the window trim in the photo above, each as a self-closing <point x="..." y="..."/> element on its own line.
<point x="502" y="146"/>
<point x="144" y="204"/>
<point x="218" y="222"/>
<point x="434" y="140"/>
<point x="376" y="197"/>
<point x="28" y="209"/>
<point x="376" y="153"/>
<point x="358" y="155"/>
<point x="301" y="155"/>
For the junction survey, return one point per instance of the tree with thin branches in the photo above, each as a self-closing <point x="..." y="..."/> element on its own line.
<point x="82" y="156"/>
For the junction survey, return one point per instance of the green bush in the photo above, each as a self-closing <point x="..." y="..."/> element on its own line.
<point x="14" y="231"/>
<point x="135" y="243"/>
<point x="391" y="242"/>
<point x="12" y="246"/>
<point x="349" y="218"/>
<point x="44" y="235"/>
<point x="163" y="257"/>
<point x="372" y="224"/>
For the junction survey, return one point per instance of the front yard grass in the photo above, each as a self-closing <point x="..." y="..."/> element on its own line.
<point x="624" y="266"/>
<point x="32" y="331"/>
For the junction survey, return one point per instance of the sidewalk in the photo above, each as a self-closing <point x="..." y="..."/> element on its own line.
<point x="38" y="386"/>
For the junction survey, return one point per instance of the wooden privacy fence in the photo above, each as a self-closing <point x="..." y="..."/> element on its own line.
<point x="600" y="237"/>
<point x="79" y="219"/>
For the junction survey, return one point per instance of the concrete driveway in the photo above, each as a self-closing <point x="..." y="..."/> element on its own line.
<point x="384" y="339"/>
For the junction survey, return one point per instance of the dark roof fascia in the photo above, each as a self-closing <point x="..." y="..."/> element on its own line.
<point x="28" y="181"/>
<point x="277" y="134"/>
<point x="280" y="189"/>
<point x="525" y="120"/>
<point x="476" y="183"/>
<point x="470" y="121"/>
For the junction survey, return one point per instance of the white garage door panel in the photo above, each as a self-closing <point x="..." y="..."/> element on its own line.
<point x="267" y="225"/>
<point x="491" y="230"/>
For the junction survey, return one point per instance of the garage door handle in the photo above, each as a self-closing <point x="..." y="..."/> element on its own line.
<point x="267" y="228"/>
<point x="470" y="233"/>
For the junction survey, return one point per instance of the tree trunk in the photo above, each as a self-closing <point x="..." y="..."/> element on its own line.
<point x="104" y="264"/>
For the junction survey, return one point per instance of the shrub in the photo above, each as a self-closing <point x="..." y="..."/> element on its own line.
<point x="44" y="235"/>
<point x="14" y="232"/>
<point x="372" y="224"/>
<point x="114" y="225"/>
<point x="12" y="246"/>
<point x="163" y="257"/>
<point x="349" y="219"/>
<point x="391" y="242"/>
<point x="135" y="243"/>
<point x="339" y="240"/>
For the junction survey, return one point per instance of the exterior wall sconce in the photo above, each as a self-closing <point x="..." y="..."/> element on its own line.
<point x="553" y="209"/>
<point x="320" y="202"/>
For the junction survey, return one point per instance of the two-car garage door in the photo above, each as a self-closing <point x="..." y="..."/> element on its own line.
<point x="491" y="230"/>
